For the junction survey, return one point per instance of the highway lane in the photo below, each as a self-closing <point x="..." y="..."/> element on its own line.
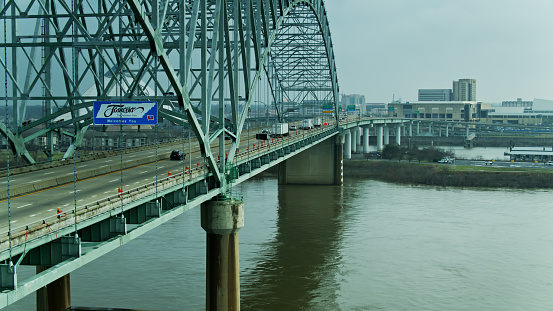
<point x="36" y="206"/>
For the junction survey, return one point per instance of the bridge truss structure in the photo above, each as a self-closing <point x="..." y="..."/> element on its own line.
<point x="205" y="62"/>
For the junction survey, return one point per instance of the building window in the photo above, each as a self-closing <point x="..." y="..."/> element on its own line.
<point x="434" y="116"/>
<point x="442" y="115"/>
<point x="449" y="115"/>
<point x="428" y="115"/>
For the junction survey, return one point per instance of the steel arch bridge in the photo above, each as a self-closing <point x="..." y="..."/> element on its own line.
<point x="204" y="61"/>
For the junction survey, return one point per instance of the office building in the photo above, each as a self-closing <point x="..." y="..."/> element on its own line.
<point x="442" y="95"/>
<point x="464" y="90"/>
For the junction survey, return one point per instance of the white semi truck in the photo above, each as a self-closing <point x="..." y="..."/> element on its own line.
<point x="280" y="130"/>
<point x="307" y="124"/>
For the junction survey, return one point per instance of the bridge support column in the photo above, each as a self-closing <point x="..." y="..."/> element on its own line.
<point x="411" y="129"/>
<point x="398" y="134"/>
<point x="365" y="140"/>
<point x="222" y="220"/>
<point x="418" y="128"/>
<point x="379" y="137"/>
<point x="358" y="136"/>
<point x="447" y="130"/>
<point x="386" y="135"/>
<point x="347" y="144"/>
<point x="353" y="140"/>
<point x="430" y="126"/>
<point x="55" y="296"/>
<point x="322" y="164"/>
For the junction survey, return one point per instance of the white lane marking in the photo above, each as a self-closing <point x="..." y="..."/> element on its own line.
<point x="32" y="215"/>
<point x="82" y="166"/>
<point x="74" y="191"/>
<point x="24" y="205"/>
<point x="66" y="205"/>
<point x="49" y="173"/>
<point x="13" y="221"/>
<point x="50" y="210"/>
<point x="103" y="165"/>
<point x="94" y="196"/>
<point x="113" y="180"/>
<point x="107" y="191"/>
<point x="143" y="173"/>
<point x="37" y="180"/>
<point x="79" y="200"/>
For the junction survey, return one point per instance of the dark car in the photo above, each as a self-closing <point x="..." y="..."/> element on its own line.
<point x="177" y="155"/>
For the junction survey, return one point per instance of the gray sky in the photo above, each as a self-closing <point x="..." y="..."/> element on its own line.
<point x="386" y="47"/>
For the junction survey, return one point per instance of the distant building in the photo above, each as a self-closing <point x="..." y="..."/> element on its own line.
<point x="456" y="111"/>
<point x="518" y="103"/>
<point x="464" y="90"/>
<point x="442" y="95"/>
<point x="352" y="99"/>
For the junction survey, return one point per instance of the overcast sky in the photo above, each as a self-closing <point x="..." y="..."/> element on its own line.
<point x="387" y="47"/>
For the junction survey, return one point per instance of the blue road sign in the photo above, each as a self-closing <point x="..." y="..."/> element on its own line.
<point x="126" y="113"/>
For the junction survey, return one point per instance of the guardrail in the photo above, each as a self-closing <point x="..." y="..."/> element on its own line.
<point x="24" y="234"/>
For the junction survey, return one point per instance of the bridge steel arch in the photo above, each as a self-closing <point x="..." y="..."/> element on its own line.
<point x="197" y="58"/>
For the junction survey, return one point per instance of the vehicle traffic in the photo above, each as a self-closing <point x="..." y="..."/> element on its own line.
<point x="177" y="155"/>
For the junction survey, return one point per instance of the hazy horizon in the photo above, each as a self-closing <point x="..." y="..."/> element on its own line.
<point x="397" y="47"/>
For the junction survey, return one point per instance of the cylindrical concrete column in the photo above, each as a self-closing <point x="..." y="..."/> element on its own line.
<point x="418" y="128"/>
<point x="358" y="135"/>
<point x="411" y="129"/>
<point x="430" y="126"/>
<point x="347" y="145"/>
<point x="398" y="134"/>
<point x="365" y="140"/>
<point x="354" y="133"/>
<point x="386" y="135"/>
<point x="379" y="137"/>
<point x="222" y="220"/>
<point x="55" y="296"/>
<point x="447" y="130"/>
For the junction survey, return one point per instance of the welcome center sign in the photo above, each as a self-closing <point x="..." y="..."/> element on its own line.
<point x="127" y="113"/>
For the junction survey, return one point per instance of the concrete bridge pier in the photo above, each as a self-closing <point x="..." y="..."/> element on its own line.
<point x="379" y="137"/>
<point x="358" y="136"/>
<point x="418" y="128"/>
<point x="353" y="140"/>
<point x="411" y="129"/>
<point x="365" y="140"/>
<point x="447" y="130"/>
<point x="55" y="296"/>
<point x="398" y="134"/>
<point x="347" y="144"/>
<point x="386" y="135"/>
<point x="322" y="164"/>
<point x="222" y="219"/>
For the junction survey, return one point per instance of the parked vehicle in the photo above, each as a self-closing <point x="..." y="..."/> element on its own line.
<point x="488" y="163"/>
<point x="446" y="160"/>
<point x="549" y="163"/>
<point x="177" y="155"/>
<point x="293" y="127"/>
<point x="280" y="130"/>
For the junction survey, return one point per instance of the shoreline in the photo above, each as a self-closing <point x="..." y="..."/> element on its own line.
<point x="430" y="174"/>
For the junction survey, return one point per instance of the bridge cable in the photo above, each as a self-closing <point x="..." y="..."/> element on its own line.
<point x="120" y="89"/>
<point x="7" y="140"/>
<point x="156" y="116"/>
<point x="74" y="85"/>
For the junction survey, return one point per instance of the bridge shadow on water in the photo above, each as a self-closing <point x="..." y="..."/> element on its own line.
<point x="298" y="269"/>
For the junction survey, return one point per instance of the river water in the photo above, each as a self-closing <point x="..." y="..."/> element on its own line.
<point x="368" y="245"/>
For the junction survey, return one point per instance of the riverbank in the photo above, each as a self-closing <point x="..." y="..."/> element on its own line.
<point x="446" y="175"/>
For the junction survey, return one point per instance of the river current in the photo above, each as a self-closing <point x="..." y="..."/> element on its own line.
<point x="368" y="245"/>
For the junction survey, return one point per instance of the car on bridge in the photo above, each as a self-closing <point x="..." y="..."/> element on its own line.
<point x="549" y="163"/>
<point x="177" y="155"/>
